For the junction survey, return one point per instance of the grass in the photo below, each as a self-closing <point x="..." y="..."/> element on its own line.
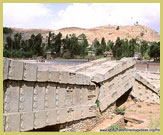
<point x="154" y="124"/>
<point x="114" y="127"/>
<point x="120" y="111"/>
<point x="141" y="112"/>
<point x="148" y="104"/>
<point x="132" y="110"/>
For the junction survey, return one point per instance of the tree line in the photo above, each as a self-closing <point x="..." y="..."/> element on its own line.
<point x="17" y="47"/>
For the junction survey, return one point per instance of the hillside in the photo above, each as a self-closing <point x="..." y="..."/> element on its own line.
<point x="108" y="32"/>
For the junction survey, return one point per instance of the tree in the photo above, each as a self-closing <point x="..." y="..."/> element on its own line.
<point x="143" y="47"/>
<point x="9" y="43"/>
<point x="17" y="40"/>
<point x="38" y="48"/>
<point x="131" y="47"/>
<point x="103" y="44"/>
<point x="57" y="43"/>
<point x="96" y="43"/>
<point x="117" y="49"/>
<point x="110" y="45"/>
<point x="83" y="45"/>
<point x="99" y="50"/>
<point x="7" y="30"/>
<point x="154" y="51"/>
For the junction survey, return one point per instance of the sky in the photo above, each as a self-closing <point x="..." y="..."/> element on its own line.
<point x="83" y="15"/>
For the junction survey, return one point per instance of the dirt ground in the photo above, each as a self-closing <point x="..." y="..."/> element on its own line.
<point x="138" y="115"/>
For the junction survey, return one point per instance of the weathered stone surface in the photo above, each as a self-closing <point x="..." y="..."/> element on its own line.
<point x="15" y="70"/>
<point x="40" y="119"/>
<point x="69" y="96"/>
<point x="92" y="110"/>
<point x="77" y="113"/>
<point x="143" y="93"/>
<point x="115" y="93"/>
<point x="61" y="115"/>
<point x="70" y="114"/>
<point x="26" y="97"/>
<point x="50" y="96"/>
<point x="77" y="95"/>
<point x="39" y="96"/>
<point x="42" y="73"/>
<point x="92" y="94"/>
<point x="12" y="122"/>
<point x="54" y="74"/>
<point x="11" y="97"/>
<point x="30" y="72"/>
<point x="51" y="117"/>
<point x="64" y="77"/>
<point x="26" y="121"/>
<point x="6" y="63"/>
<point x="150" y="80"/>
<point x="61" y="96"/>
<point x="84" y="111"/>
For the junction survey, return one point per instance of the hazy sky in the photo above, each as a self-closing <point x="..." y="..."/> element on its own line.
<point x="84" y="15"/>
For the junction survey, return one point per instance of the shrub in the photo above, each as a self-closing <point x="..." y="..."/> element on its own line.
<point x="117" y="28"/>
<point x="97" y="103"/>
<point x="120" y="111"/>
<point x="139" y="106"/>
<point x="114" y="127"/>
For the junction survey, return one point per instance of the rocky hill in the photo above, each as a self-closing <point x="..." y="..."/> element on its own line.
<point x="108" y="32"/>
<point x="111" y="32"/>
